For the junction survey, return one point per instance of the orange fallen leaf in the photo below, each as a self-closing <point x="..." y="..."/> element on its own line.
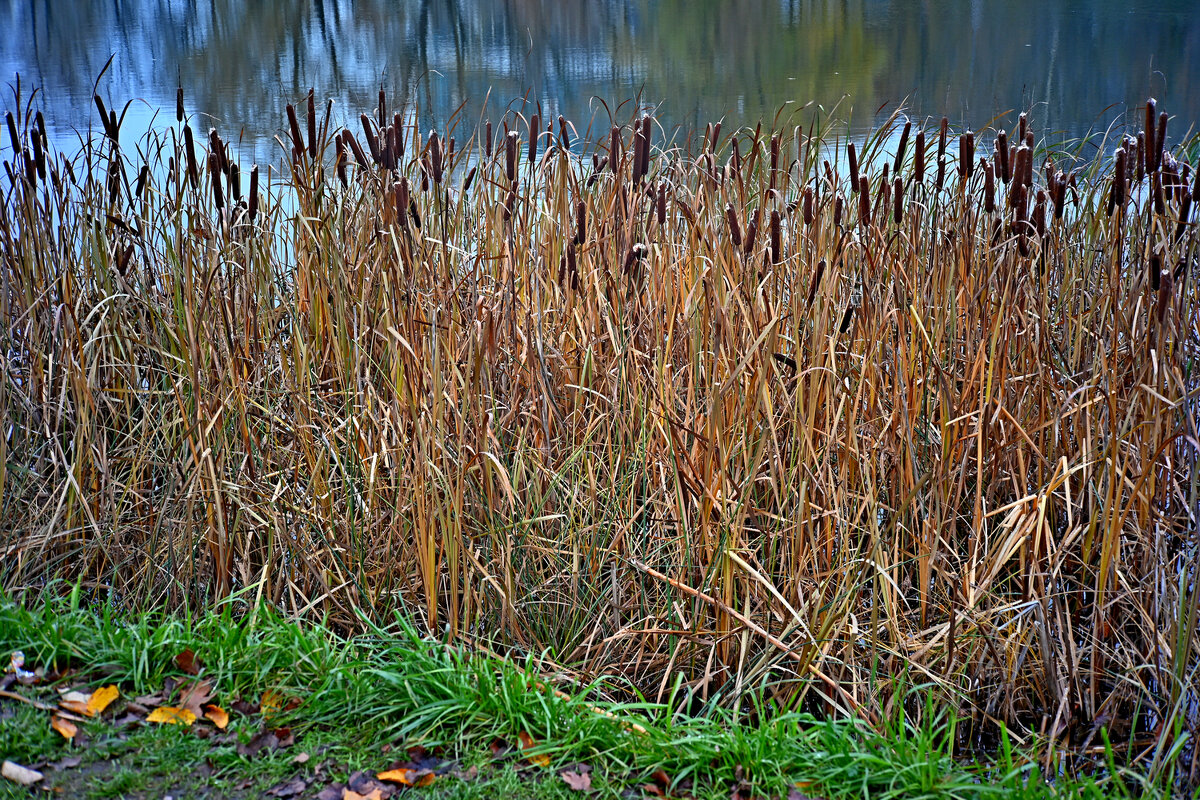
<point x="64" y="726"/>
<point x="217" y="716"/>
<point x="527" y="742"/>
<point x="170" y="715"/>
<point x="76" y="702"/>
<point x="99" y="700"/>
<point x="408" y="777"/>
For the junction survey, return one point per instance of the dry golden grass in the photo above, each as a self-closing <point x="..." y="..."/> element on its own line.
<point x="751" y="414"/>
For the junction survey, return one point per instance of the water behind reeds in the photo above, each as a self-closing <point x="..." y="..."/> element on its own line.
<point x="720" y="419"/>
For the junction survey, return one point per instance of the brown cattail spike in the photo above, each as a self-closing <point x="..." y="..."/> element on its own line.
<point x="510" y="156"/>
<point x="901" y="147"/>
<point x="1160" y="140"/>
<point x="853" y="157"/>
<point x="864" y="201"/>
<point x="966" y="155"/>
<point x="1002" y="156"/>
<point x="898" y="200"/>
<point x="919" y="159"/>
<point x="776" y="239"/>
<point x="614" y="149"/>
<point x="535" y="124"/>
<point x="1151" y="122"/>
<point x="580" y="222"/>
<point x="179" y="104"/>
<point x="735" y="230"/>
<point x="989" y="188"/>
<point x="253" y="210"/>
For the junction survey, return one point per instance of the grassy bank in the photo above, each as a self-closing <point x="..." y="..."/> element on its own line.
<point x="756" y="421"/>
<point x="361" y="704"/>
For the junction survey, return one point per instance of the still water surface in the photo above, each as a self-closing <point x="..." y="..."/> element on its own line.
<point x="1079" y="66"/>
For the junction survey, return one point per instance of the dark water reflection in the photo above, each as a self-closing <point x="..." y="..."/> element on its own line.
<point x="1076" y="64"/>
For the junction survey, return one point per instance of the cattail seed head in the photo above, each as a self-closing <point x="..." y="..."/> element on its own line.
<point x="774" y="160"/>
<point x="436" y="164"/>
<point x="339" y="160"/>
<point x="294" y="126"/>
<point x="470" y="179"/>
<point x="919" y="159"/>
<point x="1002" y="155"/>
<point x="179" y="104"/>
<point x="898" y="200"/>
<point x="735" y="230"/>
<point x="839" y="205"/>
<point x="901" y="147"/>
<point x="864" y="201"/>
<point x="614" y="149"/>
<point x="535" y="123"/>
<point x="1141" y="156"/>
<point x="369" y="133"/>
<point x="1039" y="213"/>
<point x="214" y="172"/>
<point x="487" y="139"/>
<point x="190" y="147"/>
<point x="776" y="239"/>
<point x="751" y="235"/>
<point x="1022" y="126"/>
<point x="253" y="210"/>
<point x="966" y="155"/>
<point x="989" y="188"/>
<point x="1160" y="139"/>
<point x="809" y="214"/>
<point x="853" y="158"/>
<point x="580" y="222"/>
<point x="564" y="136"/>
<point x="941" y="157"/>
<point x="510" y="156"/>
<point x="235" y="183"/>
<point x="1118" y="188"/>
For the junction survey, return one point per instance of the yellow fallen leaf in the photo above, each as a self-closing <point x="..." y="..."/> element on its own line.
<point x="169" y="715"/>
<point x="217" y="716"/>
<point x="271" y="702"/>
<point x="527" y="742"/>
<point x="408" y="777"/>
<point x="99" y="700"/>
<point x="64" y="726"/>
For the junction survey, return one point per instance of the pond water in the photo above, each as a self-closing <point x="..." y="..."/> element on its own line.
<point x="1078" y="66"/>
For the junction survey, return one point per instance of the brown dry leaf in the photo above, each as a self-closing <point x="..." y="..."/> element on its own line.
<point x="170" y="715"/>
<point x="217" y="716"/>
<point x="527" y="742"/>
<point x="579" y="781"/>
<point x="18" y="774"/>
<point x="99" y="700"/>
<point x="195" y="696"/>
<point x="301" y="758"/>
<point x="188" y="662"/>
<point x="64" y="726"/>
<point x="408" y="777"/>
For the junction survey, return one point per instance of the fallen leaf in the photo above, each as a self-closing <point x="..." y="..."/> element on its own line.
<point x="149" y="700"/>
<point x="527" y="743"/>
<point x="195" y="696"/>
<point x="99" y="700"/>
<point x="217" y="716"/>
<point x="375" y="794"/>
<point x="408" y="777"/>
<point x="75" y="701"/>
<point x="18" y="774"/>
<point x="288" y="788"/>
<point x="271" y="702"/>
<point x="301" y="758"/>
<point x="579" y="781"/>
<point x="170" y="715"/>
<point x="188" y="662"/>
<point x="64" y="726"/>
<point x="70" y="762"/>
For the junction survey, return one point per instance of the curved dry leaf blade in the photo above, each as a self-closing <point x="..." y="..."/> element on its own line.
<point x="170" y="715"/>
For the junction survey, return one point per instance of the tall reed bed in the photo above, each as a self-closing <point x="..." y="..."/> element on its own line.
<point x="760" y="413"/>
